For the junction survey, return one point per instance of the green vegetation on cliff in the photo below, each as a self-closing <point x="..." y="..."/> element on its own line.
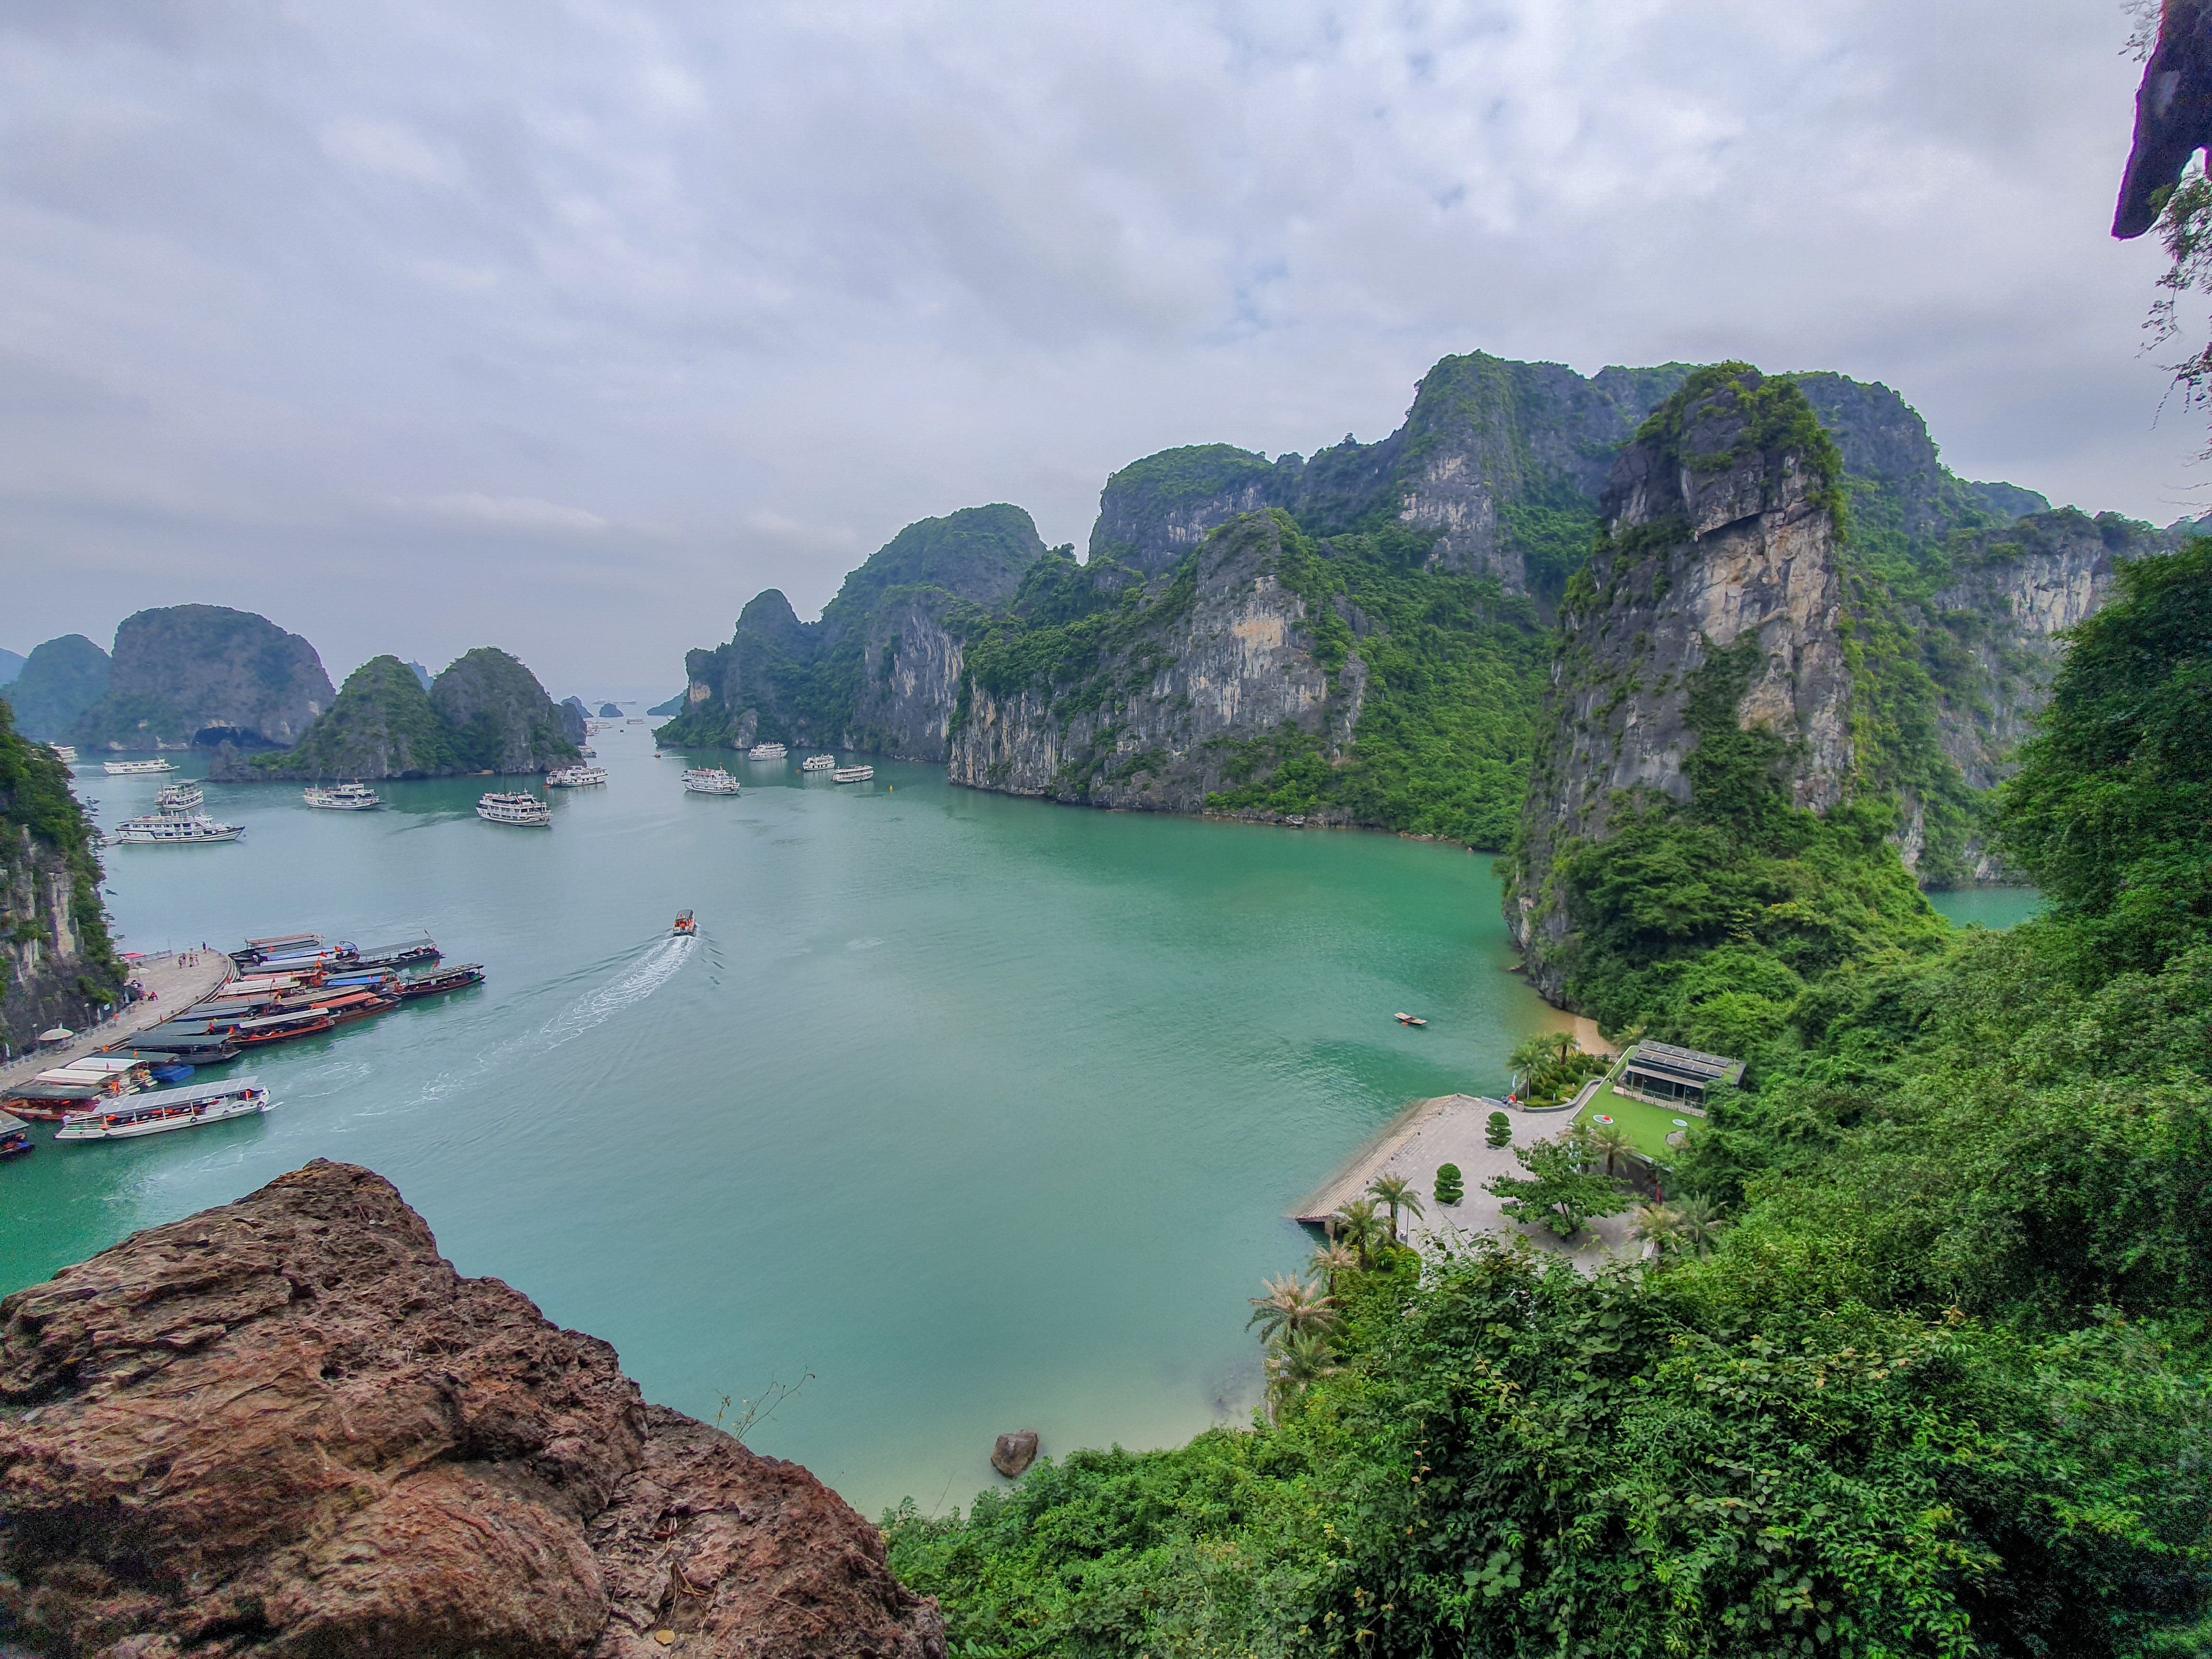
<point x="1940" y="1389"/>
<point x="46" y="846"/>
<point x="381" y="725"/>
<point x="1454" y="676"/>
<point x="1707" y="920"/>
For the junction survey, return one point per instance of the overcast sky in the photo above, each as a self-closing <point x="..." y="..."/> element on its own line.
<point x="566" y="327"/>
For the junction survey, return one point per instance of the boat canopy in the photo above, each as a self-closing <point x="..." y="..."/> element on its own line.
<point x="51" y="1091"/>
<point x="403" y="947"/>
<point x="162" y="1098"/>
<point x="276" y="939"/>
<point x="292" y="1016"/>
<point x="10" y="1125"/>
<point x="99" y="1063"/>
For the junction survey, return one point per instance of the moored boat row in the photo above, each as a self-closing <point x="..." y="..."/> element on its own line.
<point x="291" y="985"/>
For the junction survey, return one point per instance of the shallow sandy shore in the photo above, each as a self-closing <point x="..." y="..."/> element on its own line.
<point x="1452" y="1129"/>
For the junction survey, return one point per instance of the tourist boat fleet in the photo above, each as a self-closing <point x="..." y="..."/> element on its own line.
<point x="284" y="987"/>
<point x="175" y="821"/>
<point x="709" y="780"/>
<point x="355" y="797"/>
<point x="525" y="810"/>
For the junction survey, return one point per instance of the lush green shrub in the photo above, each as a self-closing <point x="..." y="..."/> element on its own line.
<point x="1451" y="1186"/>
<point x="1498" y="1129"/>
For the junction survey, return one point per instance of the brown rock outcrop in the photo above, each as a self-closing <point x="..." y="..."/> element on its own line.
<point x="1013" y="1453"/>
<point x="286" y="1426"/>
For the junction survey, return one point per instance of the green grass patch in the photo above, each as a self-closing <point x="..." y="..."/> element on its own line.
<point x="1648" y="1125"/>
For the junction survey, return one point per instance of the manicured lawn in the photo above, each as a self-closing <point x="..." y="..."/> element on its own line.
<point x="1648" y="1125"/>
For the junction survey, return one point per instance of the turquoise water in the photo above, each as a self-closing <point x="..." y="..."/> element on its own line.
<point x="1994" y="908"/>
<point x="983" y="1112"/>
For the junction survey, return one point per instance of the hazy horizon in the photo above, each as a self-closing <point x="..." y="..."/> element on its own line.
<point x="568" y="331"/>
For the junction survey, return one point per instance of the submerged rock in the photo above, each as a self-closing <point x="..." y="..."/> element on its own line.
<point x="286" y="1425"/>
<point x="1014" y="1452"/>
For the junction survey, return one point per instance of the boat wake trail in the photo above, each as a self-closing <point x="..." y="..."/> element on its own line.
<point x="645" y="976"/>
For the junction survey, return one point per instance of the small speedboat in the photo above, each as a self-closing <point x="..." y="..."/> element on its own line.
<point x="1411" y="1019"/>
<point x="685" y="925"/>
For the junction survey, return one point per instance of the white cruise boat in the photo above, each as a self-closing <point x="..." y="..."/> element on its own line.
<point x="343" y="798"/>
<point x="576" y="777"/>
<point x="766" y="752"/>
<point x="173" y="829"/>
<point x="818" y="763"/>
<point x="525" y="810"/>
<point x="853" y="774"/>
<point x="588" y="752"/>
<point x="136" y="768"/>
<point x="168" y="1109"/>
<point x="176" y="798"/>
<point x="63" y="753"/>
<point x="709" y="780"/>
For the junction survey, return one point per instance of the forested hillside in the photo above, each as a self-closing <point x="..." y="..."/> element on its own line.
<point x="1927" y="1377"/>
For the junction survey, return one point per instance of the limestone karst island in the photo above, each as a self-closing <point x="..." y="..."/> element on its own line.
<point x="1576" y="1024"/>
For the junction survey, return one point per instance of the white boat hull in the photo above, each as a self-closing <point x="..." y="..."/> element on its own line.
<point x="253" y="1104"/>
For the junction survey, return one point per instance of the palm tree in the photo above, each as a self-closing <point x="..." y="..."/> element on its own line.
<point x="1561" y="1044"/>
<point x="1332" y="1259"/>
<point x="1298" y="1363"/>
<point x="1291" y="1307"/>
<point x="1358" y="1226"/>
<point x="1698" y="1225"/>
<point x="1528" y="1058"/>
<point x="1656" y="1224"/>
<point x="1399" y="1193"/>
<point x="1609" y="1141"/>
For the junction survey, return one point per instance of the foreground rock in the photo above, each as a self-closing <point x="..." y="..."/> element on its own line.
<point x="287" y="1426"/>
<point x="1014" y="1452"/>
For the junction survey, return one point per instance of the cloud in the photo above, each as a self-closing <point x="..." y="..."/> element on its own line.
<point x="387" y="148"/>
<point x="776" y="280"/>
<point x="514" y="512"/>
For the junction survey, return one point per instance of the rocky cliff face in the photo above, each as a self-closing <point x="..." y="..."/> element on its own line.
<point x="1721" y="544"/>
<point x="1177" y="679"/>
<point x="286" y="1426"/>
<point x="501" y="719"/>
<point x="204" y="674"/>
<point x="55" y="953"/>
<point x="59" y="681"/>
<point x="1499" y="464"/>
<point x="836" y="683"/>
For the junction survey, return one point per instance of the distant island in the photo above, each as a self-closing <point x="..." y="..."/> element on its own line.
<point x="486" y="713"/>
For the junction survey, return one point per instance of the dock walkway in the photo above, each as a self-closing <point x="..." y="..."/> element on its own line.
<point x="175" y="988"/>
